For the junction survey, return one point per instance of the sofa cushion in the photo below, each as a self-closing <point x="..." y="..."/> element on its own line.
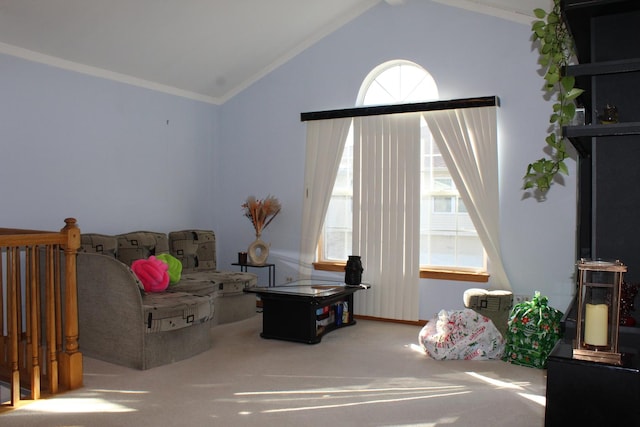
<point x="216" y="282"/>
<point x="99" y="243"/>
<point x="234" y="282"/>
<point x="175" y="310"/>
<point x="140" y="245"/>
<point x="196" y="249"/>
<point x="198" y="283"/>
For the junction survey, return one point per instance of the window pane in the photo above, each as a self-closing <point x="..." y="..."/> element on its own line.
<point x="442" y="204"/>
<point x="379" y="93"/>
<point x="461" y="207"/>
<point x="337" y="229"/>
<point x="443" y="184"/>
<point x="470" y="251"/>
<point x="450" y="250"/>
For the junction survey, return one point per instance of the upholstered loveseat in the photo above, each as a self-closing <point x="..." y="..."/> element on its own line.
<point x="121" y="323"/>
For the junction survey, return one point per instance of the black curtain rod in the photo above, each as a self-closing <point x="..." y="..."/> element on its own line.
<point x="486" y="101"/>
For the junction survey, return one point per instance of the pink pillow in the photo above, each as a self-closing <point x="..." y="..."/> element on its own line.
<point x="152" y="273"/>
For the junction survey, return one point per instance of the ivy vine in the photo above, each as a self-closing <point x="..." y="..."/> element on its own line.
<point x="556" y="48"/>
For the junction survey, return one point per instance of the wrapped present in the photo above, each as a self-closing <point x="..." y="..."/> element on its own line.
<point x="461" y="334"/>
<point x="532" y="332"/>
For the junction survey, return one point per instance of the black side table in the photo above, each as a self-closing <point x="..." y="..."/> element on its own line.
<point x="585" y="393"/>
<point x="271" y="267"/>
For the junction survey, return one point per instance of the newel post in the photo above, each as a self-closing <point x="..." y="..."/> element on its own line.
<point x="71" y="358"/>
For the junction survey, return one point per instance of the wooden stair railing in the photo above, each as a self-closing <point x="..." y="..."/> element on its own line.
<point x="39" y="342"/>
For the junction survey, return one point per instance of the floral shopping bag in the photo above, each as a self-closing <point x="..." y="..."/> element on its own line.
<point x="461" y="334"/>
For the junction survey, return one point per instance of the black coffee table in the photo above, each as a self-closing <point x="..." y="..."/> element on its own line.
<point x="305" y="310"/>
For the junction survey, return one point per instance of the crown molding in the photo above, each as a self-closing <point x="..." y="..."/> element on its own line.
<point x="53" y="61"/>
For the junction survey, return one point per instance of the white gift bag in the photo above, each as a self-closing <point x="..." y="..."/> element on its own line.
<point x="461" y="334"/>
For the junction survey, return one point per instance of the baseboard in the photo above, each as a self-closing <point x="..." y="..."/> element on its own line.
<point x="384" y="319"/>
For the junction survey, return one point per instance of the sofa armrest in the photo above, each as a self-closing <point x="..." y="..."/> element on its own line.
<point x="110" y="312"/>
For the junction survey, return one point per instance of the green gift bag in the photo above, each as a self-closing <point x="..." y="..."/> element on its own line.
<point x="533" y="329"/>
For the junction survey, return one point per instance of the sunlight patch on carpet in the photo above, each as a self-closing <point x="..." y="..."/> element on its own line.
<point x="104" y="390"/>
<point x="417" y="348"/>
<point x="346" y="390"/>
<point x="540" y="400"/>
<point x="80" y="405"/>
<point x="439" y="422"/>
<point x="368" y="402"/>
<point x="497" y="383"/>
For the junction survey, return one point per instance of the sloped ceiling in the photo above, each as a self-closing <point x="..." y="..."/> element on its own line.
<point x="201" y="49"/>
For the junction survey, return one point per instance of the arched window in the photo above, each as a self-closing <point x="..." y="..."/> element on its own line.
<point x="448" y="239"/>
<point x="396" y="82"/>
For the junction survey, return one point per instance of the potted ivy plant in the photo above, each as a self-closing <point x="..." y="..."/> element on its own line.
<point x="556" y="49"/>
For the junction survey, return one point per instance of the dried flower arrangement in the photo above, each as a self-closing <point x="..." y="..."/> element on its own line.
<point x="261" y="212"/>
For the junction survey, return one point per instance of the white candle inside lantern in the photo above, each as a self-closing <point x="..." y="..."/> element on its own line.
<point x="596" y="324"/>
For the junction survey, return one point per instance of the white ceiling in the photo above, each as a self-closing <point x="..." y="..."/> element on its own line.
<point x="201" y="49"/>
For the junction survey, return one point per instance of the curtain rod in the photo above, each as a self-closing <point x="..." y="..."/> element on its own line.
<point x="486" y="101"/>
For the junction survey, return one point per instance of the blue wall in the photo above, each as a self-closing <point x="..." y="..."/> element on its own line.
<point x="116" y="157"/>
<point x="103" y="152"/>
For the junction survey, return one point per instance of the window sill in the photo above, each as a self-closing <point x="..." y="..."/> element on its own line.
<point x="458" y="275"/>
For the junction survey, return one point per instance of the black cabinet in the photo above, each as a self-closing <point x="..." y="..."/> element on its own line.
<point x="583" y="393"/>
<point x="608" y="49"/>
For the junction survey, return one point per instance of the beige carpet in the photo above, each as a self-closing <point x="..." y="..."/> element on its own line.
<point x="369" y="374"/>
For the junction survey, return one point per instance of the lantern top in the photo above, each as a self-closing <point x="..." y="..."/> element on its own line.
<point x="601" y="265"/>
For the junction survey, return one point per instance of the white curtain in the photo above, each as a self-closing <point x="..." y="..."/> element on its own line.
<point x="467" y="139"/>
<point x="325" y="143"/>
<point x="386" y="226"/>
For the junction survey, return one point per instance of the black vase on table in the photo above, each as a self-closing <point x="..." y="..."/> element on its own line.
<point x="353" y="270"/>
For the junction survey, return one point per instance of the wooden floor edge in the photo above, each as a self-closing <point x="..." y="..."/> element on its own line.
<point x="384" y="319"/>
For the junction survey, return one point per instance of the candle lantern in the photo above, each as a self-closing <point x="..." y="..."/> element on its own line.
<point x="598" y="311"/>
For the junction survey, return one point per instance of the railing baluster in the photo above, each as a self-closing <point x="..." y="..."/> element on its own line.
<point x="51" y="321"/>
<point x="13" y="290"/>
<point x="33" y="336"/>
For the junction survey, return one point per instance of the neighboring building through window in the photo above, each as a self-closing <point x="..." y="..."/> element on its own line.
<point x="448" y="238"/>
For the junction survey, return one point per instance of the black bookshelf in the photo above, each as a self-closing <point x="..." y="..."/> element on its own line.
<point x="608" y="49"/>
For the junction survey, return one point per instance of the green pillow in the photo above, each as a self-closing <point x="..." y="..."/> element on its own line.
<point x="175" y="267"/>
